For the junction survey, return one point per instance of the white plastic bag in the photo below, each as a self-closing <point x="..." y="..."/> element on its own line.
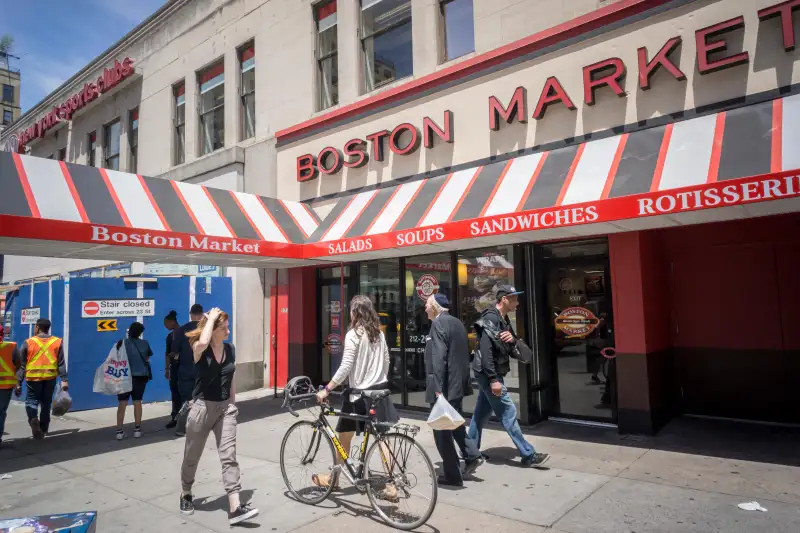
<point x="62" y="402"/>
<point x="114" y="375"/>
<point x="443" y="416"/>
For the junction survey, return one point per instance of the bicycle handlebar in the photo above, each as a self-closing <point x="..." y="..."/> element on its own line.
<point x="288" y="399"/>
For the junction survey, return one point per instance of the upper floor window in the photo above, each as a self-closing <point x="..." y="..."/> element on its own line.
<point x="212" y="108"/>
<point x="327" y="56"/>
<point x="8" y="93"/>
<point x="62" y="154"/>
<point x="111" y="145"/>
<point x="133" y="140"/>
<point x="458" y="28"/>
<point x="247" y="59"/>
<point x="91" y="145"/>
<point x="179" y="119"/>
<point x="7" y="117"/>
<point x="386" y="41"/>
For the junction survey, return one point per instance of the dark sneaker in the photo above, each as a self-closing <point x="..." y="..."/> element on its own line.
<point x="171" y="424"/>
<point x="472" y="465"/>
<point x="36" y="429"/>
<point x="187" y="507"/>
<point x="536" y="460"/>
<point x="242" y="513"/>
<point x="444" y="482"/>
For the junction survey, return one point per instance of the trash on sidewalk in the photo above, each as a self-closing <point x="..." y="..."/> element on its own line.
<point x="752" y="506"/>
<point x="5" y="476"/>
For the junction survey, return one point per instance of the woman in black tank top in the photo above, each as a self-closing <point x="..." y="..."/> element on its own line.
<point x="213" y="409"/>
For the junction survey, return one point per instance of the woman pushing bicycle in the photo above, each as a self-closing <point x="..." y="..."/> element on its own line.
<point x="365" y="366"/>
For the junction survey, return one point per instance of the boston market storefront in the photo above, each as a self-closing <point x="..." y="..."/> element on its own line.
<point x="637" y="179"/>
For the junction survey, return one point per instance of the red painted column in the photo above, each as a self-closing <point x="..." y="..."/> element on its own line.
<point x="304" y="357"/>
<point x="641" y="319"/>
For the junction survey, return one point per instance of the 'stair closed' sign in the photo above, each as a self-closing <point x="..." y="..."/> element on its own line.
<point x="117" y="308"/>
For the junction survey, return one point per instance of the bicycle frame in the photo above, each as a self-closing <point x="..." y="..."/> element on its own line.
<point x="352" y="473"/>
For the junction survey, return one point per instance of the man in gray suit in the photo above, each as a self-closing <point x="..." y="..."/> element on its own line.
<point x="447" y="364"/>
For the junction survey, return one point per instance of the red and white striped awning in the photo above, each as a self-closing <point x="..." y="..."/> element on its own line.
<point x="711" y="167"/>
<point x="45" y="199"/>
<point x="733" y="164"/>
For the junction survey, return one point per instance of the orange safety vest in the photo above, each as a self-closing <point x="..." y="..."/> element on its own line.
<point x="8" y="378"/>
<point x="42" y="358"/>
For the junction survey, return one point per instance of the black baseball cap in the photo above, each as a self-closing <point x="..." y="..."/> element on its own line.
<point x="505" y="290"/>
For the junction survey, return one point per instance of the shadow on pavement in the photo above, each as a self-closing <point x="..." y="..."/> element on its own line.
<point x="73" y="444"/>
<point x="725" y="439"/>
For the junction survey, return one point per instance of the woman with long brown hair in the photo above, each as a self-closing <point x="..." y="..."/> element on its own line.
<point x="365" y="366"/>
<point x="213" y="409"/>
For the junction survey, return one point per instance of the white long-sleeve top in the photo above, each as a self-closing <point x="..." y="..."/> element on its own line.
<point x="365" y="363"/>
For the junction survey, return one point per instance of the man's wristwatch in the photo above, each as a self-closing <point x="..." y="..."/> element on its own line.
<point x="327" y="389"/>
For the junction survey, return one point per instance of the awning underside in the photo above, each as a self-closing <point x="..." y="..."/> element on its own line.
<point x="734" y="164"/>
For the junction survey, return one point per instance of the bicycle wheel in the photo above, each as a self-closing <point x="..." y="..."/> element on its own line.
<point x="401" y="481"/>
<point x="306" y="451"/>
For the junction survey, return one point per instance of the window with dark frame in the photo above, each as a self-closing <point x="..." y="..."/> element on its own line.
<point x="386" y="41"/>
<point x="247" y="60"/>
<point x="179" y="120"/>
<point x="7" y="117"/>
<point x="133" y="140"/>
<point x="91" y="145"/>
<point x="327" y="55"/>
<point x="458" y="28"/>
<point x="8" y="93"/>
<point x="212" y="108"/>
<point x="111" y="145"/>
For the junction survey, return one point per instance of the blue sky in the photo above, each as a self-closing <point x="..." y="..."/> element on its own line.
<point x="56" y="38"/>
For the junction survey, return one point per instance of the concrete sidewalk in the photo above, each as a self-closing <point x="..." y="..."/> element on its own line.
<point x="688" y="479"/>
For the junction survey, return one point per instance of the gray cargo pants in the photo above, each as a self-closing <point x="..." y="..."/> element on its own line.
<point x="205" y="417"/>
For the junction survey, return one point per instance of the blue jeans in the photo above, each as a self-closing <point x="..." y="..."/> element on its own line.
<point x="40" y="393"/>
<point x="5" y="399"/>
<point x="504" y="408"/>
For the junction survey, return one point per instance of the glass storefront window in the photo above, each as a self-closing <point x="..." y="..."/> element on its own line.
<point x="424" y="276"/>
<point x="380" y="280"/>
<point x="479" y="272"/>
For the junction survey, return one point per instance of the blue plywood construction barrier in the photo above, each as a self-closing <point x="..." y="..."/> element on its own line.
<point x="86" y="347"/>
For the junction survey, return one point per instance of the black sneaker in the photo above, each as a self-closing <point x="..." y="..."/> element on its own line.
<point x="242" y="513"/>
<point x="171" y="424"/>
<point x="472" y="465"/>
<point x="536" y="460"/>
<point x="187" y="507"/>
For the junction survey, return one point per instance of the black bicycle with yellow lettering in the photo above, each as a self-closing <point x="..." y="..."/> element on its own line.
<point x="394" y="471"/>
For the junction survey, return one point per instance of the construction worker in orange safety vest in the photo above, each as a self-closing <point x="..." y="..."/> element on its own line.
<point x="42" y="358"/>
<point x="9" y="364"/>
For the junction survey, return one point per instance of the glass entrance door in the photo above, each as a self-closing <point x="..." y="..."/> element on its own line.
<point x="424" y="276"/>
<point x="579" y="324"/>
<point x="335" y="293"/>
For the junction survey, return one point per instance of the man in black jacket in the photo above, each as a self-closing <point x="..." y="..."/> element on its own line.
<point x="496" y="340"/>
<point x="447" y="370"/>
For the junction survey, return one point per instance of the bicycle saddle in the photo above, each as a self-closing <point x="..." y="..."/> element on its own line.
<point x="376" y="395"/>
